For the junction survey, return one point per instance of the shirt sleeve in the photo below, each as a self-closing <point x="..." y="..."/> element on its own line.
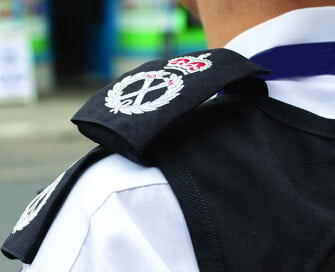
<point x="120" y="216"/>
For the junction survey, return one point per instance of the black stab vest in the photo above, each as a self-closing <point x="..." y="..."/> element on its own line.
<point x="255" y="180"/>
<point x="254" y="176"/>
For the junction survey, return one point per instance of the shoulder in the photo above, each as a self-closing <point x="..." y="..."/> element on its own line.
<point x="118" y="209"/>
<point x="115" y="174"/>
<point x="112" y="177"/>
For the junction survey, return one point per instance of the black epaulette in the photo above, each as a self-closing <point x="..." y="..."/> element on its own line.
<point x="29" y="232"/>
<point x="126" y="117"/>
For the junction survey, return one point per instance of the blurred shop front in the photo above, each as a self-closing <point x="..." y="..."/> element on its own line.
<point x="25" y="55"/>
<point x="47" y="44"/>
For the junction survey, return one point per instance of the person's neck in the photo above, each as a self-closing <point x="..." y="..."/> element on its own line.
<point x="222" y="22"/>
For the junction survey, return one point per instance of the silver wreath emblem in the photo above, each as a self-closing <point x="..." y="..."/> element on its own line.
<point x="132" y="103"/>
<point x="35" y="206"/>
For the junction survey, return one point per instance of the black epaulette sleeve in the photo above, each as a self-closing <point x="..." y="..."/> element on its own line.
<point x="112" y="119"/>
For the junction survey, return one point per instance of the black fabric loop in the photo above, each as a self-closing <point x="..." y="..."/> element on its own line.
<point x="138" y="129"/>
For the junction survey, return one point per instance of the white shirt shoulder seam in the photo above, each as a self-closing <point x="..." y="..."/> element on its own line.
<point x="101" y="205"/>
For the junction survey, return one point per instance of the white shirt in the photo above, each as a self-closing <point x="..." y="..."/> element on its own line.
<point x="310" y="25"/>
<point x="121" y="216"/>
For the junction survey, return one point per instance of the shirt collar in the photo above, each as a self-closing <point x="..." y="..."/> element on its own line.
<point x="307" y="26"/>
<point x="311" y="25"/>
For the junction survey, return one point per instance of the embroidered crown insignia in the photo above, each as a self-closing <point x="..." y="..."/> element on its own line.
<point x="190" y="64"/>
<point x="125" y="99"/>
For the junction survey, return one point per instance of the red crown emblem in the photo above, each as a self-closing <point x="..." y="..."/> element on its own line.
<point x="189" y="64"/>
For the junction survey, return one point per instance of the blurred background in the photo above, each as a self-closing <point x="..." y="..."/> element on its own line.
<point x="53" y="55"/>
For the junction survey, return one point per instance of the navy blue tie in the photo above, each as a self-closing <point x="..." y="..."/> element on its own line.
<point x="298" y="60"/>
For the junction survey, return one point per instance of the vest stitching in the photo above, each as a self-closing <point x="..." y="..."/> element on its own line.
<point x="211" y="231"/>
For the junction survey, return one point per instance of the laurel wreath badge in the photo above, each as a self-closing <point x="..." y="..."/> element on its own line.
<point x="131" y="103"/>
<point x="36" y="205"/>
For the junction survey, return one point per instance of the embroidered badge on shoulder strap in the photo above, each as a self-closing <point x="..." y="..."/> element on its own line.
<point x="36" y="205"/>
<point x="128" y="114"/>
<point x="29" y="232"/>
<point x="118" y="102"/>
<point x="131" y="103"/>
